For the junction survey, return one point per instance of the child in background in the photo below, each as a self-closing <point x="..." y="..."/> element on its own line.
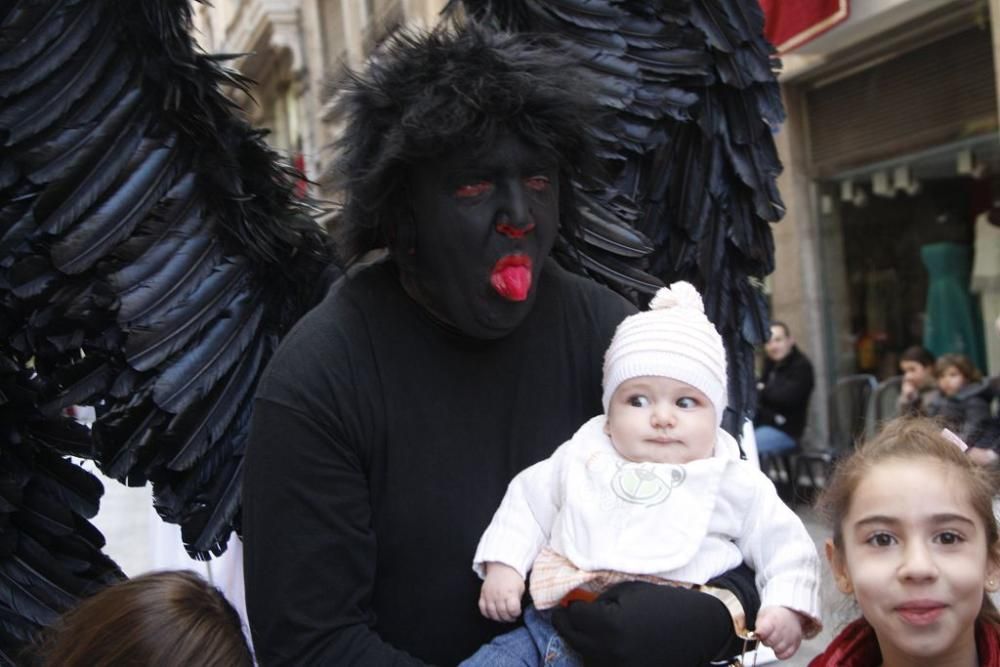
<point x="915" y="542"/>
<point x="653" y="491"/>
<point x="167" y="619"/>
<point x="962" y="402"/>
<point x="917" y="388"/>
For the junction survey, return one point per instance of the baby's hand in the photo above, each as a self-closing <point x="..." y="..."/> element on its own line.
<point x="500" y="597"/>
<point x="781" y="629"/>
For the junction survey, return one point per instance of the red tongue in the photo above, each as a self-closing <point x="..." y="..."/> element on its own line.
<point x="512" y="282"/>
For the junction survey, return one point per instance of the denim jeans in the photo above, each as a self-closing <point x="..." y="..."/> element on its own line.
<point x="536" y="643"/>
<point x="771" y="440"/>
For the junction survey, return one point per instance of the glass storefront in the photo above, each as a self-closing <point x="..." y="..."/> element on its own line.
<point x="910" y="249"/>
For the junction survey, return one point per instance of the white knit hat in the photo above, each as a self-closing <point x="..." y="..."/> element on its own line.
<point x="672" y="339"/>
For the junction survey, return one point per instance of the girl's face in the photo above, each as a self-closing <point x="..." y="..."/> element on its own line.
<point x="915" y="558"/>
<point x="951" y="380"/>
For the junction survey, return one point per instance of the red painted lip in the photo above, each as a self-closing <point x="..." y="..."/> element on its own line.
<point x="921" y="612"/>
<point x="512" y="260"/>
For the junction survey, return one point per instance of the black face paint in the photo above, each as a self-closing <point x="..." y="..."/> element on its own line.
<point x="484" y="222"/>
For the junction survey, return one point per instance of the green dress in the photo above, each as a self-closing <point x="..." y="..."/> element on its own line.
<point x="953" y="322"/>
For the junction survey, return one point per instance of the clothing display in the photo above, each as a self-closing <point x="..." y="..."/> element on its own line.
<point x="414" y="448"/>
<point x="953" y="325"/>
<point x="986" y="283"/>
<point x="687" y="523"/>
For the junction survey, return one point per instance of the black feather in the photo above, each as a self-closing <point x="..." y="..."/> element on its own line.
<point x="189" y="378"/>
<point x="151" y="344"/>
<point x="95" y="236"/>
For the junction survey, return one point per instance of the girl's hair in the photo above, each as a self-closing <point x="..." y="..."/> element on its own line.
<point x="168" y="619"/>
<point x="919" y="354"/>
<point x="914" y="438"/>
<point x="959" y="361"/>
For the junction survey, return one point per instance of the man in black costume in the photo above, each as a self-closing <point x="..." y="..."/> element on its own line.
<point x="390" y="421"/>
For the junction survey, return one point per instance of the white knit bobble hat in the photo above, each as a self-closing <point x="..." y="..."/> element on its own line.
<point x="672" y="339"/>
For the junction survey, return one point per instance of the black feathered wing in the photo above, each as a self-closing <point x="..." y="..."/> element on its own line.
<point x="152" y="253"/>
<point x="689" y="154"/>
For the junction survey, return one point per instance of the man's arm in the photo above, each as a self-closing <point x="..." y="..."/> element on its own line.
<point x="309" y="547"/>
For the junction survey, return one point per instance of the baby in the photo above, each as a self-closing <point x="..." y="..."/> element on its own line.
<point x="653" y="490"/>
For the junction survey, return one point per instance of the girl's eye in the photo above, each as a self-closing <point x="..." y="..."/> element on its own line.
<point x="473" y="189"/>
<point x="638" y="401"/>
<point x="949" y="537"/>
<point x="537" y="183"/>
<point x="881" y="540"/>
<point x="687" y="402"/>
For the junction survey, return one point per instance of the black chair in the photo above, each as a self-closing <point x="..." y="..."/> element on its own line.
<point x="884" y="403"/>
<point x="780" y="468"/>
<point x="848" y="418"/>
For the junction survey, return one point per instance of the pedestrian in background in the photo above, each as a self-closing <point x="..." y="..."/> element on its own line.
<point x="782" y="393"/>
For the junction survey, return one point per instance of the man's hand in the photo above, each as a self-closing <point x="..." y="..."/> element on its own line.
<point x="907" y="392"/>
<point x="500" y="597"/>
<point x="781" y="629"/>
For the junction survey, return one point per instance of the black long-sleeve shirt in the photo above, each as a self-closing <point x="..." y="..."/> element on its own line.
<point x="381" y="445"/>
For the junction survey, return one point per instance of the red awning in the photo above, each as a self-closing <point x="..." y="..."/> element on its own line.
<point x="791" y="23"/>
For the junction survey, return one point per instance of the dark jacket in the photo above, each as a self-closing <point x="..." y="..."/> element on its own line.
<point x="784" y="400"/>
<point x="966" y="413"/>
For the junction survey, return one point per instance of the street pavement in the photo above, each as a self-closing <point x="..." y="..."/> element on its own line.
<point x="837" y="609"/>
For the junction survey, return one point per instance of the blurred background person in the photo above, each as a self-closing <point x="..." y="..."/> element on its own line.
<point x="782" y="393"/>
<point x="917" y="389"/>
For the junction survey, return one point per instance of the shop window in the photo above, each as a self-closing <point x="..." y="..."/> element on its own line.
<point x="890" y="230"/>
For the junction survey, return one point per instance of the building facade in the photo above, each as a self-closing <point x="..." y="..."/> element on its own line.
<point x="295" y="51"/>
<point x="892" y="189"/>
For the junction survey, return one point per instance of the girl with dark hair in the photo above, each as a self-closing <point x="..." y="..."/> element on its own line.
<point x="167" y="619"/>
<point x="917" y="365"/>
<point x="915" y="543"/>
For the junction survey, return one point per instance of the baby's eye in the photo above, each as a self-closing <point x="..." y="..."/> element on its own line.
<point x="881" y="540"/>
<point x="638" y="401"/>
<point x="687" y="402"/>
<point x="537" y="183"/>
<point x="949" y="537"/>
<point x="469" y="190"/>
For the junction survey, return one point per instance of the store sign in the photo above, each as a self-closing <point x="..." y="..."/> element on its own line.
<point x="790" y="24"/>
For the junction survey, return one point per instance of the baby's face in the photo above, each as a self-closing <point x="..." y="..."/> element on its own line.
<point x="653" y="419"/>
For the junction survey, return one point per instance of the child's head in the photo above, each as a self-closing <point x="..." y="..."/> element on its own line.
<point x="917" y="366"/>
<point x="914" y="539"/>
<point x="165" y="618"/>
<point x="665" y="380"/>
<point x="954" y="371"/>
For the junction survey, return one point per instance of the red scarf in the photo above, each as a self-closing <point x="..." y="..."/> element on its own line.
<point x="856" y="646"/>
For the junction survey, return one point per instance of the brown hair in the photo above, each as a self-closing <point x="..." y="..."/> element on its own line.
<point x="913" y="438"/>
<point x="959" y="361"/>
<point x="168" y="619"/>
<point x="918" y="354"/>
